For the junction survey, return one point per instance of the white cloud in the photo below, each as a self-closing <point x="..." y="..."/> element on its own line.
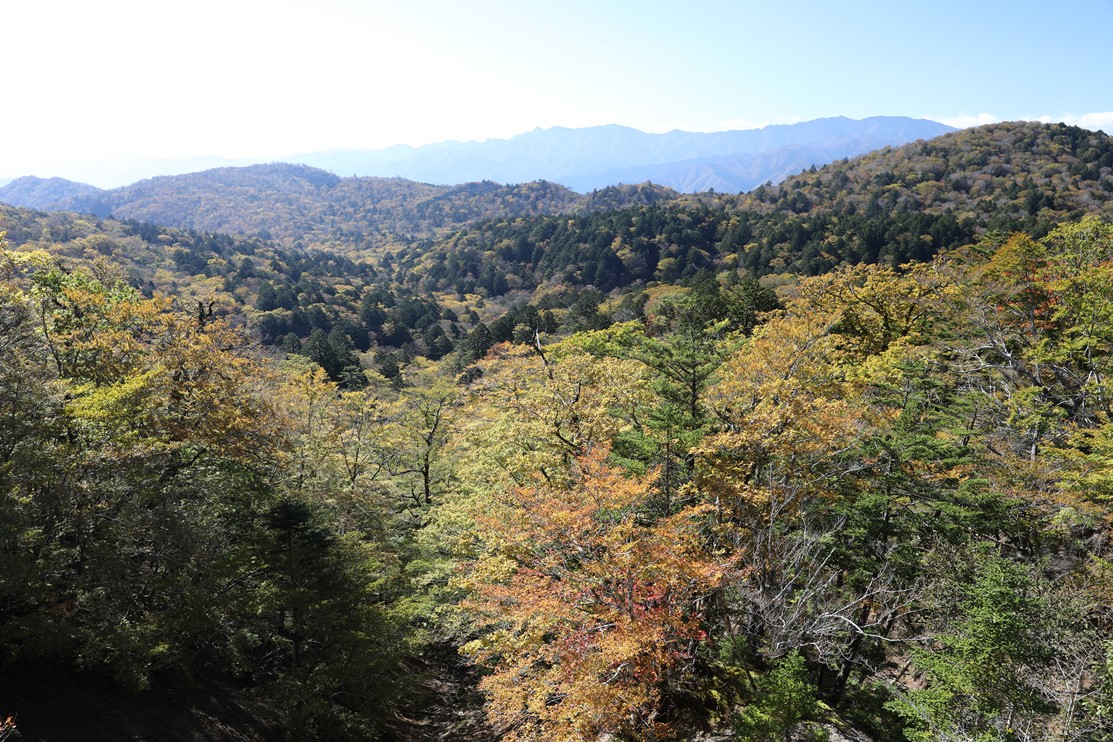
<point x="1092" y="121"/>
<point x="966" y="120"/>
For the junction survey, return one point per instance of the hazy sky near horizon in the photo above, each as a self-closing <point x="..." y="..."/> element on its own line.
<point x="262" y="78"/>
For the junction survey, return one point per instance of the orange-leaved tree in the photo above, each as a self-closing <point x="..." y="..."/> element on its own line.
<point x="588" y="612"/>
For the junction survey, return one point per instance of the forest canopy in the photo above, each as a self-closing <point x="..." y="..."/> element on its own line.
<point x="875" y="500"/>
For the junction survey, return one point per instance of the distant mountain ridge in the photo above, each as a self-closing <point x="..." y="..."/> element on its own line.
<point x="595" y="157"/>
<point x="582" y="159"/>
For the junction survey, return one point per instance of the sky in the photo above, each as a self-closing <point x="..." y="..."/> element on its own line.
<point x="86" y="80"/>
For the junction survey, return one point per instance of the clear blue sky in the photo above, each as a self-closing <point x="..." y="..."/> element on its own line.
<point x="234" y="78"/>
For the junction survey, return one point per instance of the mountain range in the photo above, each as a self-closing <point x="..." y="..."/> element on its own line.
<point x="584" y="159"/>
<point x="595" y="157"/>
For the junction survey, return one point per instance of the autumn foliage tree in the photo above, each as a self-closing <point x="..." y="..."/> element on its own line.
<point x="588" y="611"/>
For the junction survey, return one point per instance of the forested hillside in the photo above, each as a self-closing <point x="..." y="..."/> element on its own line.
<point x="577" y="476"/>
<point x="324" y="304"/>
<point x="888" y="207"/>
<point x="300" y="206"/>
<point x="51" y="193"/>
<point x="419" y="296"/>
<point x="883" y="505"/>
<point x="413" y="296"/>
